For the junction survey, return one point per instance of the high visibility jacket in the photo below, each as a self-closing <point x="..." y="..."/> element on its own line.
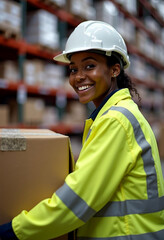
<point x="116" y="191"/>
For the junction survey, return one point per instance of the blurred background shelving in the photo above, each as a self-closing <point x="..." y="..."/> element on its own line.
<point x="34" y="90"/>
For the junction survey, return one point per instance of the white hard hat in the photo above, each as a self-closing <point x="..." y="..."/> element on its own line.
<point x="95" y="35"/>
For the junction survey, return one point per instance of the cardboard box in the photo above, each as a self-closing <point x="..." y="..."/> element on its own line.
<point x="33" y="165"/>
<point x="34" y="109"/>
<point x="42" y="29"/>
<point x="10" y="17"/>
<point x="4" y="115"/>
<point x="34" y="72"/>
<point x="83" y="9"/>
<point x="14" y="16"/>
<point x="9" y="71"/>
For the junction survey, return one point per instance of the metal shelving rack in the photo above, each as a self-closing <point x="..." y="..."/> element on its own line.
<point x="23" y="48"/>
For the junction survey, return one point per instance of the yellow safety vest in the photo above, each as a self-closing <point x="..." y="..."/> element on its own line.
<point x="116" y="191"/>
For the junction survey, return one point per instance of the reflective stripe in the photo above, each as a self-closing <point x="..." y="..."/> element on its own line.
<point x="75" y="203"/>
<point x="131" y="207"/>
<point x="146" y="236"/>
<point x="88" y="134"/>
<point x="152" y="188"/>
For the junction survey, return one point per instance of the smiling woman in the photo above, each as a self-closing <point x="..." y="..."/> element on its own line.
<point x="116" y="190"/>
<point x="91" y="77"/>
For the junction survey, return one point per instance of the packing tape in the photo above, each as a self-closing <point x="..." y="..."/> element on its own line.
<point x="12" y="140"/>
<point x="15" y="140"/>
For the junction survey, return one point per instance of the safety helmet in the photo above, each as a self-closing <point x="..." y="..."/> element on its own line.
<point x="95" y="35"/>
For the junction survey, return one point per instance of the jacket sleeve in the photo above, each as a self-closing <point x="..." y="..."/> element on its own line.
<point x="6" y="232"/>
<point x="99" y="170"/>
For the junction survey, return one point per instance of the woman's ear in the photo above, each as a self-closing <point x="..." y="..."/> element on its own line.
<point x="116" y="69"/>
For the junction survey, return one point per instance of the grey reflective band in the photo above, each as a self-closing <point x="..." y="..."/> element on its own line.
<point x="151" y="177"/>
<point x="152" y="188"/>
<point x="146" y="236"/>
<point x="75" y="203"/>
<point x="88" y="134"/>
<point x="123" y="208"/>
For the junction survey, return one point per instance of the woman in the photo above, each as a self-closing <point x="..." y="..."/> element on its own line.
<point x="116" y="191"/>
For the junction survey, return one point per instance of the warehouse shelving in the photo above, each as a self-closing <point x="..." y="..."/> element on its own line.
<point x="60" y="13"/>
<point x="136" y="21"/>
<point x="63" y="15"/>
<point x="26" y="48"/>
<point x="13" y="86"/>
<point x="132" y="49"/>
<point x="23" y="49"/>
<point x="152" y="11"/>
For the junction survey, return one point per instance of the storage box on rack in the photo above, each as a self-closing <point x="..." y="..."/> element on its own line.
<point x="34" y="72"/>
<point x="10" y="17"/>
<point x="4" y="113"/>
<point x="76" y="114"/>
<point x="42" y="29"/>
<point x="14" y="16"/>
<point x="3" y="15"/>
<point x="9" y="70"/>
<point x="130" y="5"/>
<point x="59" y="3"/>
<point x="106" y="11"/>
<point x="34" y="109"/>
<point x="81" y="8"/>
<point x="34" y="163"/>
<point x="53" y="75"/>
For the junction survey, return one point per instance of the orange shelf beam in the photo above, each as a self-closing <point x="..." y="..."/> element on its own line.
<point x="60" y="13"/>
<point x="132" y="49"/>
<point x="152" y="11"/>
<point x="151" y="85"/>
<point x="13" y="86"/>
<point x="137" y="22"/>
<point x="10" y="42"/>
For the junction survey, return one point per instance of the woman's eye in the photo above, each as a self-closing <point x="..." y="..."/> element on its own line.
<point x="90" y="66"/>
<point x="72" y="70"/>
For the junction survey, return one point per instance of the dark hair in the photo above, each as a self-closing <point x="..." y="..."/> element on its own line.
<point x="123" y="80"/>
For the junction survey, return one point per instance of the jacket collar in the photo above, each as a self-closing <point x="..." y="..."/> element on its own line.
<point x="96" y="111"/>
<point x="112" y="99"/>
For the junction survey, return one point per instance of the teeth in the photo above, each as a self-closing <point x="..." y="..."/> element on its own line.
<point x="83" y="88"/>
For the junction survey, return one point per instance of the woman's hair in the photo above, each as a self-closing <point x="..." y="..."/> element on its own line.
<point x="123" y="80"/>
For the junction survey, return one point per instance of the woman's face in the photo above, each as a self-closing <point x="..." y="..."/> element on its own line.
<point x="90" y="77"/>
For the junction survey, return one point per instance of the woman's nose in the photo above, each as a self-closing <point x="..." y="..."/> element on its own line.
<point x="80" y="75"/>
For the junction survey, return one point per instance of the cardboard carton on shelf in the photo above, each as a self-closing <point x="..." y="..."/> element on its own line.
<point x="34" y="109"/>
<point x="83" y="9"/>
<point x="33" y="165"/>
<point x="10" y="18"/>
<point x="33" y="72"/>
<point x="42" y="29"/>
<point x="9" y="71"/>
<point x="14" y="16"/>
<point x="59" y="3"/>
<point x="76" y="114"/>
<point x="4" y="113"/>
<point x="3" y="15"/>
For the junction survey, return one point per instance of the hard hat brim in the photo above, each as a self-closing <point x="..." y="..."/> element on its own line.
<point x="64" y="59"/>
<point x="61" y="58"/>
